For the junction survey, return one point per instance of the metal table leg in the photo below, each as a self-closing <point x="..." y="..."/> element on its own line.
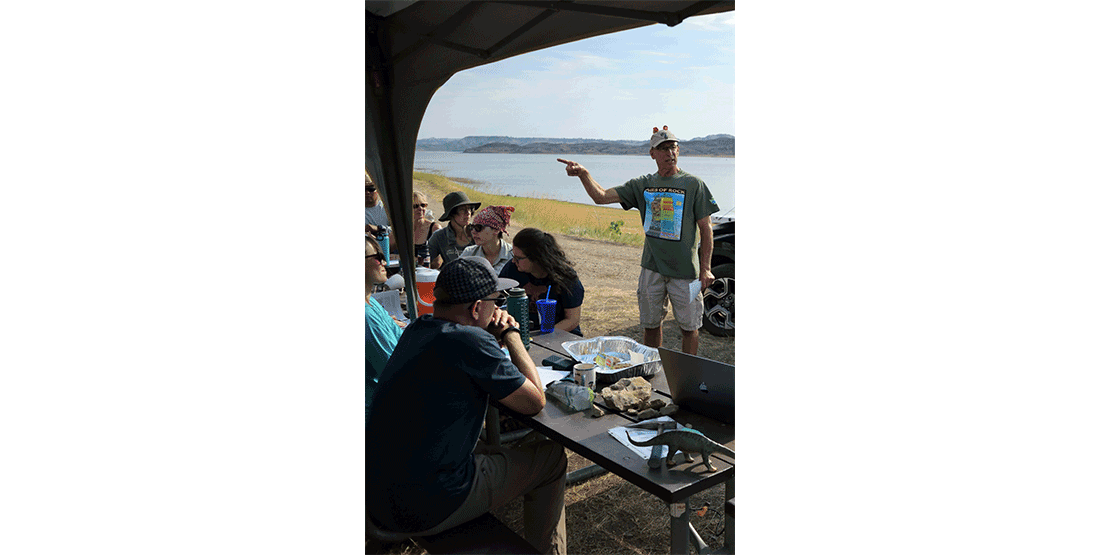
<point x="680" y="523"/>
<point x="729" y="518"/>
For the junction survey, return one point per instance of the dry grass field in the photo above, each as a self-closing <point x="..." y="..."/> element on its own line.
<point x="553" y="216"/>
<point x="604" y="515"/>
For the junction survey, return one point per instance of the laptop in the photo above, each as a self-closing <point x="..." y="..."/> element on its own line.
<point x="701" y="385"/>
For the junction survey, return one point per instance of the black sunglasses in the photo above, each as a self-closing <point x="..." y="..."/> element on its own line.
<point x="499" y="301"/>
<point x="372" y="189"/>
<point x="381" y="258"/>
<point x="477" y="227"/>
<point x="425" y="205"/>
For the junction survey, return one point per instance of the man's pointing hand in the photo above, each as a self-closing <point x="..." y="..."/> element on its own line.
<point x="572" y="168"/>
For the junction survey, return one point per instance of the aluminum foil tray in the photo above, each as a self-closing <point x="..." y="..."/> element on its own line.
<point x="585" y="350"/>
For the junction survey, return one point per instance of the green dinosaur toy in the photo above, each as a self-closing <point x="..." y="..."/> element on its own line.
<point x="688" y="441"/>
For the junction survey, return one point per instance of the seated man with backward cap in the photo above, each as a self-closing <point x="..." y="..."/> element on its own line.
<point x="426" y="471"/>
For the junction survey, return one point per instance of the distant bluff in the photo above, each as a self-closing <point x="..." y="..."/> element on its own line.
<point x="711" y="145"/>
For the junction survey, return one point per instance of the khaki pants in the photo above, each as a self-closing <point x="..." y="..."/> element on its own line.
<point x="537" y="472"/>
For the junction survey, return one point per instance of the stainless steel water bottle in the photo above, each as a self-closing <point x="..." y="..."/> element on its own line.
<point x="517" y="307"/>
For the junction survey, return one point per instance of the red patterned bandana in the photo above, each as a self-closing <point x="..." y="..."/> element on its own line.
<point x="496" y="217"/>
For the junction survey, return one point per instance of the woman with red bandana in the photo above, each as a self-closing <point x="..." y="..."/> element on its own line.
<point x="487" y="230"/>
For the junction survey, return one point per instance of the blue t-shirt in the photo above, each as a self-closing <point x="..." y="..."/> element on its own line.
<point x="382" y="336"/>
<point x="570" y="296"/>
<point x="427" y="414"/>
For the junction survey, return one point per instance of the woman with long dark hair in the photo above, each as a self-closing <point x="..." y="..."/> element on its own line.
<point x="538" y="263"/>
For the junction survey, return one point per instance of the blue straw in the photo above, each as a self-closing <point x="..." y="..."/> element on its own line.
<point x="548" y="292"/>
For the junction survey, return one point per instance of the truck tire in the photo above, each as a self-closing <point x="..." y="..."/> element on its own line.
<point x="718" y="315"/>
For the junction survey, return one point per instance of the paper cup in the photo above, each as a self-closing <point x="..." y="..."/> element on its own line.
<point x="585" y="374"/>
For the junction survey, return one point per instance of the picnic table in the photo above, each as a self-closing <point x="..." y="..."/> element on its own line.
<point x="589" y="437"/>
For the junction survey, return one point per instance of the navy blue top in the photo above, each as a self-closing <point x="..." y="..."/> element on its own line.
<point x="425" y="418"/>
<point x="567" y="297"/>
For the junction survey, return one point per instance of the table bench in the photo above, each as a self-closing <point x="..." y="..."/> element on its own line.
<point x="483" y="535"/>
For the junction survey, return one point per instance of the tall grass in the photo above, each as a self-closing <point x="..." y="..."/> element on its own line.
<point x="553" y="216"/>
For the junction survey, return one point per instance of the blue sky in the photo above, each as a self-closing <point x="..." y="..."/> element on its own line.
<point x="617" y="86"/>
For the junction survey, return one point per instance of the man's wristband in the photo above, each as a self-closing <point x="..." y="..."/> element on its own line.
<point x="510" y="328"/>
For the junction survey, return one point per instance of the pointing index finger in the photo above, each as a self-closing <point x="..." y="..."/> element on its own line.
<point x="566" y="162"/>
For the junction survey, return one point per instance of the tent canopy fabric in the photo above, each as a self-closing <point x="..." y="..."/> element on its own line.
<point x="414" y="47"/>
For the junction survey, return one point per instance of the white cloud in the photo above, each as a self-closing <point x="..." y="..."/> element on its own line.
<point x="722" y="22"/>
<point x="664" y="54"/>
<point x="576" y="61"/>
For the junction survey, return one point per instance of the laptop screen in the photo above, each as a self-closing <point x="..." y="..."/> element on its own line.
<point x="699" y="384"/>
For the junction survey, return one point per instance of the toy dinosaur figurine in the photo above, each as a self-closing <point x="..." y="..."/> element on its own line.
<point x="688" y="441"/>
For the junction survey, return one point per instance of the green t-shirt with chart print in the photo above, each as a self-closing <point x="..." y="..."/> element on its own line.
<point x="669" y="207"/>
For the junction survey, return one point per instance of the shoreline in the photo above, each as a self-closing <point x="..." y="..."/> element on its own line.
<point x="466" y="181"/>
<point x="583" y="221"/>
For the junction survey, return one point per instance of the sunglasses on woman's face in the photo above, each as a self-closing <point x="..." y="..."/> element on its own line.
<point x="425" y="205"/>
<point x="381" y="258"/>
<point x="372" y="189"/>
<point x="477" y="227"/>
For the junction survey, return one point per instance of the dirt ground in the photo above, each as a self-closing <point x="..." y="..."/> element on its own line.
<point x="606" y="514"/>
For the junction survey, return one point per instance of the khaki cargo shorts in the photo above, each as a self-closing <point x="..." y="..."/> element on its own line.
<point x="654" y="292"/>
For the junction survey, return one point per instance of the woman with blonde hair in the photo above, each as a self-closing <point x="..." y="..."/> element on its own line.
<point x="422" y="226"/>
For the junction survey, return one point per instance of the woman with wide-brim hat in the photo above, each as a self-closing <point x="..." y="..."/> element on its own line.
<point x="447" y="244"/>
<point x="487" y="230"/>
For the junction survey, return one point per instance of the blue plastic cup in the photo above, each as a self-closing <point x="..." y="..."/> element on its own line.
<point x="547" y="308"/>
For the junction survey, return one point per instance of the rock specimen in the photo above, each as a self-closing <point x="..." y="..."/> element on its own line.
<point x="628" y="393"/>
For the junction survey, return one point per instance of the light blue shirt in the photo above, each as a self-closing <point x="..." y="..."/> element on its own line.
<point x="382" y="336"/>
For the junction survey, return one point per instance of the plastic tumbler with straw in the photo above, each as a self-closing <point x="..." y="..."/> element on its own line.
<point x="547" y="309"/>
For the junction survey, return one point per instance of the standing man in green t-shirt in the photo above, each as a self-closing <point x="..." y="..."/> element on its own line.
<point x="672" y="204"/>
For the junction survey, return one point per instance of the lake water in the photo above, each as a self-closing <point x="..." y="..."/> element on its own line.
<point x="542" y="176"/>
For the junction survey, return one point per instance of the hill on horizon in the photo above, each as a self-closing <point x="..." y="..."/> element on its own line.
<point x="711" y="145"/>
